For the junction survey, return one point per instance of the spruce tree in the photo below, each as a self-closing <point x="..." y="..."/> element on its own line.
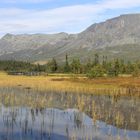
<point x="66" y="67"/>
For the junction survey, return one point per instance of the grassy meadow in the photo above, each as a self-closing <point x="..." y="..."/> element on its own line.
<point x="123" y="85"/>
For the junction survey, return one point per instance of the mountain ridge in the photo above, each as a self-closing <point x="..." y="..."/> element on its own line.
<point x="121" y="34"/>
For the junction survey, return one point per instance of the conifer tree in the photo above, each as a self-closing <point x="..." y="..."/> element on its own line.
<point x="66" y="67"/>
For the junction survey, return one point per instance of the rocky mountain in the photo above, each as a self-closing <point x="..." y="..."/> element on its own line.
<point x="117" y="38"/>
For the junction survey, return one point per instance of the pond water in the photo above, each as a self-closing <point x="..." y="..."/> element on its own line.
<point x="34" y="115"/>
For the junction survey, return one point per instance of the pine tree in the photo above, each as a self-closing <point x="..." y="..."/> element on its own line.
<point x="66" y="67"/>
<point x="76" y="66"/>
<point x="96" y="59"/>
<point x="52" y="66"/>
<point x="104" y="63"/>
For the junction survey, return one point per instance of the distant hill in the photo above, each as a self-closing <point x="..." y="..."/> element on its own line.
<point x="117" y="38"/>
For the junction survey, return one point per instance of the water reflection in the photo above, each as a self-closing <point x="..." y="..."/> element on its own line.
<point x="30" y="115"/>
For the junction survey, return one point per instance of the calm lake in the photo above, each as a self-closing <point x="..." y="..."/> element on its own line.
<point x="32" y="115"/>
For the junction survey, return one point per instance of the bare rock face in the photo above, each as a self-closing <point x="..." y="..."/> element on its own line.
<point x="118" y="31"/>
<point x="117" y="37"/>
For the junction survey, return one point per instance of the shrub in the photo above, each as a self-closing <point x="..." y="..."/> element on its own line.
<point x="136" y="71"/>
<point x="96" y="71"/>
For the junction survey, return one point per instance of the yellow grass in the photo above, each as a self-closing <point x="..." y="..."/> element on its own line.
<point x="64" y="83"/>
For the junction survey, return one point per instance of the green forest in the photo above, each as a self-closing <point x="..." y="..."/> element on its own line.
<point x="99" y="66"/>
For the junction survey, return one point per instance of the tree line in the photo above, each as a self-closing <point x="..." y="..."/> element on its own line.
<point x="99" y="66"/>
<point x="19" y="66"/>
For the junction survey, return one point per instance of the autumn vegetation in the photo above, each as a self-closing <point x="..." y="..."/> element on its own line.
<point x="97" y="76"/>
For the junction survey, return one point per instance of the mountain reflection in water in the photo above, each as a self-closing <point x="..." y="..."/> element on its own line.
<point x="49" y="116"/>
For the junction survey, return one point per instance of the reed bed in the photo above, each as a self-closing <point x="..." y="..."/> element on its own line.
<point x="112" y="110"/>
<point x="42" y="92"/>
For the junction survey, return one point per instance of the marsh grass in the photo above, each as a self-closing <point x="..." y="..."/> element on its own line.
<point x="99" y="108"/>
<point x="63" y="83"/>
<point x="111" y="109"/>
<point x="65" y="92"/>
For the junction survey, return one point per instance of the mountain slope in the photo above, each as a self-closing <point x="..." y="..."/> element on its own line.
<point x="117" y="37"/>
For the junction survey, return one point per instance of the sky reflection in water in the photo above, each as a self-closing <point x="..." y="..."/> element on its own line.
<point x="99" y="118"/>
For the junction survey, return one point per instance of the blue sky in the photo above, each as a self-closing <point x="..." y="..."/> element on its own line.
<point x="53" y="16"/>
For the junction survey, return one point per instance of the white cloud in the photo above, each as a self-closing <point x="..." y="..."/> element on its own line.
<point x="70" y="18"/>
<point x="117" y="4"/>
